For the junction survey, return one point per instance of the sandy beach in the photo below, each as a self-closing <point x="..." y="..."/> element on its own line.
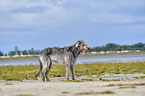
<point x="134" y="87"/>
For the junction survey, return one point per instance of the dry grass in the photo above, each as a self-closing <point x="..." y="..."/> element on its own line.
<point x="28" y="72"/>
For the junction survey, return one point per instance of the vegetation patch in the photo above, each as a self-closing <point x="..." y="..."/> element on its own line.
<point x="25" y="95"/>
<point x="110" y="80"/>
<point x="87" y="79"/>
<point x="8" y="84"/>
<point x="94" y="93"/>
<point x="65" y="92"/>
<point x="142" y="77"/>
<point x="136" y="77"/>
<point x="82" y="80"/>
<point x="74" y="81"/>
<point x="126" y="85"/>
<point x="139" y="84"/>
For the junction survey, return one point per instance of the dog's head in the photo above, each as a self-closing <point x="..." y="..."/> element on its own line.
<point x="82" y="46"/>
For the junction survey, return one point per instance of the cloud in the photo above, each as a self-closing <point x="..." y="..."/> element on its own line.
<point x="118" y="11"/>
<point x="116" y="18"/>
<point x="47" y="14"/>
<point x="32" y="14"/>
<point x="35" y="9"/>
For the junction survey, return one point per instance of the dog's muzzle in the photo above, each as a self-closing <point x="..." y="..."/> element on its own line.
<point x="84" y="50"/>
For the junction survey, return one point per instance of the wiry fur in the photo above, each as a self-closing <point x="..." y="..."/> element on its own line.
<point x="66" y="56"/>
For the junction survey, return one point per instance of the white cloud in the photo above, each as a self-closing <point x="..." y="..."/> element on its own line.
<point x="116" y="18"/>
<point x="25" y="14"/>
<point x="117" y="11"/>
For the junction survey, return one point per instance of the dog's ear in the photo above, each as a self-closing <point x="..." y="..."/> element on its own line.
<point x="78" y="43"/>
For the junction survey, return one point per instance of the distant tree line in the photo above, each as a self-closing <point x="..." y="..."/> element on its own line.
<point x="107" y="47"/>
<point x="1" y="53"/>
<point x="24" y="52"/>
<point x="116" y="47"/>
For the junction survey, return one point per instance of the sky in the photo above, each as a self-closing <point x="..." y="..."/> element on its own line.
<point x="40" y="24"/>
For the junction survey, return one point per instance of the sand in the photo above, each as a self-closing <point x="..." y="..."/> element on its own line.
<point x="59" y="88"/>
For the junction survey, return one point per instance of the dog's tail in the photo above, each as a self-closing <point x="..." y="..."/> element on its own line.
<point x="40" y="69"/>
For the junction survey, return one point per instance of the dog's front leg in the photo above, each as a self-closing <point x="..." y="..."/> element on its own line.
<point x="67" y="72"/>
<point x="72" y="71"/>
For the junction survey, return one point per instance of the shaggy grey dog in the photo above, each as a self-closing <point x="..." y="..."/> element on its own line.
<point x="66" y="56"/>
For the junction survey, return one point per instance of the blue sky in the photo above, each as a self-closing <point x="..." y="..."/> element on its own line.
<point x="48" y="23"/>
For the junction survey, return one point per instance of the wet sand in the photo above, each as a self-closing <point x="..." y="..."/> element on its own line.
<point x="61" y="88"/>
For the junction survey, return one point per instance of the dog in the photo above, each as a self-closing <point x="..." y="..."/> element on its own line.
<point x="66" y="56"/>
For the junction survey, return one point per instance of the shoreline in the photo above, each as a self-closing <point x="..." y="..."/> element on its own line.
<point x="81" y="55"/>
<point x="116" y="58"/>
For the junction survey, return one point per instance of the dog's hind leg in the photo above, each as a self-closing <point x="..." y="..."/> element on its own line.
<point x="40" y="70"/>
<point x="43" y="59"/>
<point x="49" y="64"/>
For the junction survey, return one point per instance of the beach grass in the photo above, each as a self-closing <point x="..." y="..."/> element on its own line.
<point x="27" y="72"/>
